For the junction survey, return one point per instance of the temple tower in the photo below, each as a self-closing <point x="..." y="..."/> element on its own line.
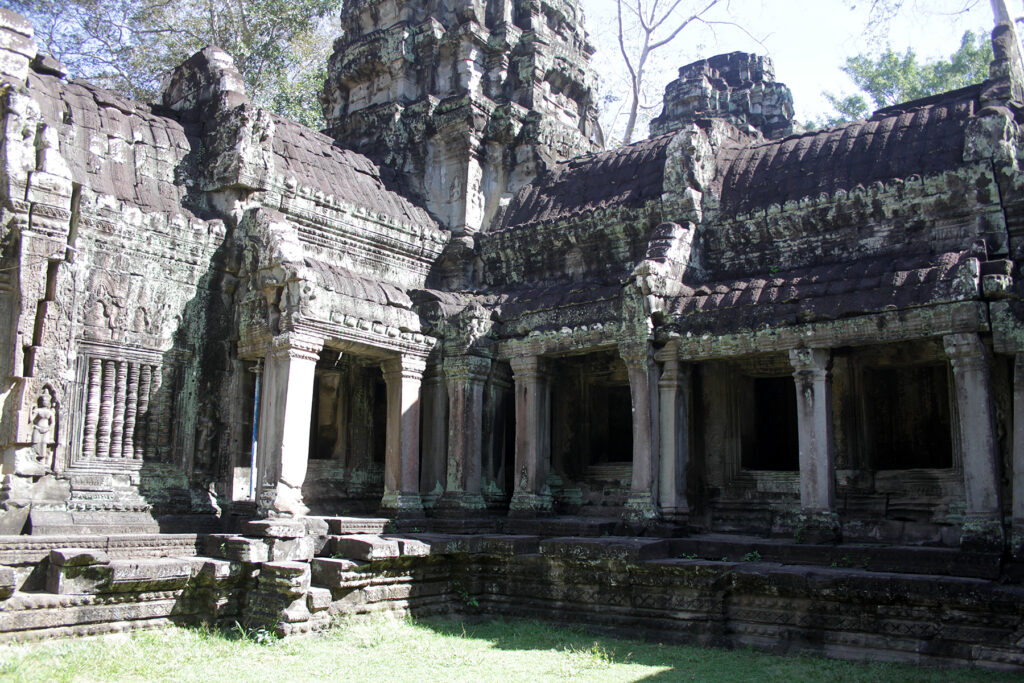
<point x="467" y="99"/>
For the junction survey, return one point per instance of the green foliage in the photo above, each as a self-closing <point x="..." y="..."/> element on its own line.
<point x="279" y="46"/>
<point x="890" y="78"/>
<point x="752" y="556"/>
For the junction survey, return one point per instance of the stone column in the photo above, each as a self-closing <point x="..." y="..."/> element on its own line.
<point x="435" y="435"/>
<point x="675" y="386"/>
<point x="643" y="390"/>
<point x="812" y="372"/>
<point x="403" y="376"/>
<point x="982" y="528"/>
<point x="287" y="405"/>
<point x="533" y="438"/>
<point x="466" y="376"/>
<point x="1017" y="539"/>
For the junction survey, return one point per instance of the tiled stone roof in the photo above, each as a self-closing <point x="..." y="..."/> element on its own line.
<point x="920" y="137"/>
<point x="629" y="177"/>
<point x="821" y="293"/>
<point x="343" y="281"/>
<point x="117" y="146"/>
<point x="314" y="160"/>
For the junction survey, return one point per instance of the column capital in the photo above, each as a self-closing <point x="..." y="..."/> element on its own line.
<point x="965" y="348"/>
<point x="635" y="354"/>
<point x="297" y="346"/>
<point x="525" y="367"/>
<point x="810" y="360"/>
<point x="404" y="366"/>
<point x="467" y="368"/>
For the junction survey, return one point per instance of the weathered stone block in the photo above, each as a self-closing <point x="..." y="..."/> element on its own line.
<point x="618" y="549"/>
<point x="506" y="545"/>
<point x="210" y="571"/>
<point x="275" y="528"/>
<point x="237" y="548"/>
<point x="8" y="582"/>
<point x="164" y="573"/>
<point x="318" y="599"/>
<point x="285" y="577"/>
<point x="329" y="571"/>
<point x="365" y="547"/>
<point x="77" y="557"/>
<point x="292" y="549"/>
<point x="12" y="520"/>
<point x="77" y="579"/>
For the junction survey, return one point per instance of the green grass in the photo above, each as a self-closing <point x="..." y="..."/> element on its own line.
<point x="427" y="650"/>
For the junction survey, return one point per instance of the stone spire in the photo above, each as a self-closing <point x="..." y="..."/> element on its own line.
<point x="738" y="86"/>
<point x="468" y="99"/>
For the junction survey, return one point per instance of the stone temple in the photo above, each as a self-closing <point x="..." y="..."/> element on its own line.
<point x="451" y="346"/>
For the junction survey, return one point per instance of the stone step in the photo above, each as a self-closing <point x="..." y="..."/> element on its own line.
<point x="563" y="526"/>
<point x="874" y="558"/>
<point x="357" y="525"/>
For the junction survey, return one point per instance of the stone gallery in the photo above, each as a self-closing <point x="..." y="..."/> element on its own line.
<point x="449" y="354"/>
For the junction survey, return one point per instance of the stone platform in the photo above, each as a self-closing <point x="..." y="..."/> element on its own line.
<point x="295" y="576"/>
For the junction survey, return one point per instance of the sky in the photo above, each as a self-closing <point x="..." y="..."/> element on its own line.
<point x="808" y="40"/>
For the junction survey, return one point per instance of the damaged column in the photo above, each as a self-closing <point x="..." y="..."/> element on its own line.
<point x="284" y="423"/>
<point x="403" y="376"/>
<point x="533" y="437"/>
<point x="643" y="389"/>
<point x="675" y="387"/>
<point x="466" y="376"/>
<point x="812" y="372"/>
<point x="982" y="527"/>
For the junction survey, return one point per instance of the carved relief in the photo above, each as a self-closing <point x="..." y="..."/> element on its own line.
<point x="44" y="428"/>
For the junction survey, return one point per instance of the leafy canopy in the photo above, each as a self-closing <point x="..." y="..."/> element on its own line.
<point x="280" y="46"/>
<point x="891" y="78"/>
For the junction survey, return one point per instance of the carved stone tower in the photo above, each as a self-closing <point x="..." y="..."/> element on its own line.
<point x="468" y="99"/>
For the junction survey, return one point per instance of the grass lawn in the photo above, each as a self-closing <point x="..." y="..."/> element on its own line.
<point x="426" y="650"/>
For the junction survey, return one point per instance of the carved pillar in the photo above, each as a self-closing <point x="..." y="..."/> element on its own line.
<point x="92" y="408"/>
<point x="120" y="398"/>
<point x="106" y="410"/>
<point x="466" y="376"/>
<point x="982" y="527"/>
<point x="675" y="386"/>
<point x="131" y="411"/>
<point x="435" y="435"/>
<point x="287" y="405"/>
<point x="812" y="374"/>
<point x="533" y="438"/>
<point x="142" y="412"/>
<point x="403" y="376"/>
<point x="1017" y="543"/>
<point x="643" y="390"/>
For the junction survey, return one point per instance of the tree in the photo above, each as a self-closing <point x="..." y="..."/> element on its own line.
<point x="891" y="78"/>
<point x="644" y="26"/>
<point x="129" y="45"/>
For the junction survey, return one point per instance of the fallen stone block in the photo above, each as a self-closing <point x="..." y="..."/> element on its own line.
<point x="318" y="599"/>
<point x="77" y="557"/>
<point x="330" y="571"/>
<point x="275" y="528"/>
<point x="76" y="571"/>
<point x="8" y="582"/>
<point x="237" y="548"/>
<point x="365" y="547"/>
<point x="285" y="577"/>
<point x="156" y="574"/>
<point x="292" y="549"/>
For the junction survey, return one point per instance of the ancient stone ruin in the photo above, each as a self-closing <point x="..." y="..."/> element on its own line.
<point x="450" y="355"/>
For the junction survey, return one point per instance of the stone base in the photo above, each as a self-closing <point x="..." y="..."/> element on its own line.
<point x="981" y="534"/>
<point x="401" y="505"/>
<point x="818" y="527"/>
<point x="459" y="504"/>
<point x="640" y="510"/>
<point x="530" y="504"/>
